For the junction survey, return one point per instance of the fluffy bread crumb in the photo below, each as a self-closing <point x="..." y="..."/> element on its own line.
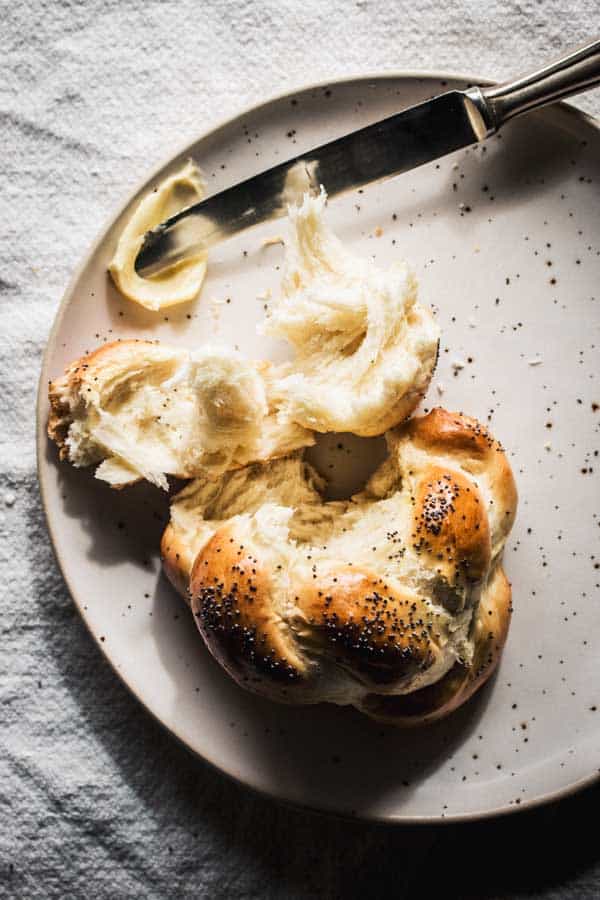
<point x="365" y="350"/>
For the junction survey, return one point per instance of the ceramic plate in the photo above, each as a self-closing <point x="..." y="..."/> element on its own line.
<point x="505" y="242"/>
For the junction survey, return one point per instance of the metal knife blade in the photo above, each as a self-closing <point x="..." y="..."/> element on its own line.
<point x="389" y="147"/>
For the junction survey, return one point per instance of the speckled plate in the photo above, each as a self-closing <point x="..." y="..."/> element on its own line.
<point x="505" y="242"/>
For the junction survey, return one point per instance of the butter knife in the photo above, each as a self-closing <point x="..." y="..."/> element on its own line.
<point x="389" y="147"/>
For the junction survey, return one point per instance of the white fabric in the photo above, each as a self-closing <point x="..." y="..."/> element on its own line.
<point x="95" y="801"/>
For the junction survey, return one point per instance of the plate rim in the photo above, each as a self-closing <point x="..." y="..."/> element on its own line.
<point x="541" y="800"/>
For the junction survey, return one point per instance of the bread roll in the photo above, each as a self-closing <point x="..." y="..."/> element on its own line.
<point x="393" y="601"/>
<point x="365" y="350"/>
<point x="138" y="409"/>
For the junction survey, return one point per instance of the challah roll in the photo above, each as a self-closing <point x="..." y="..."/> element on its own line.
<point x="365" y="350"/>
<point x="138" y="409"/>
<point x="393" y="601"/>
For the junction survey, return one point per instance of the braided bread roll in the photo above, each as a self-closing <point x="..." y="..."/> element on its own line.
<point x="393" y="601"/>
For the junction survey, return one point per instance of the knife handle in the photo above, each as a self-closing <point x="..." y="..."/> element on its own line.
<point x="568" y="75"/>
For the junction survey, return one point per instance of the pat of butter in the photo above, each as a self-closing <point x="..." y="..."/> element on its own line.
<point x="178" y="283"/>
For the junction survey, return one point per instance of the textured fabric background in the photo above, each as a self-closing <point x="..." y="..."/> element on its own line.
<point x="95" y="801"/>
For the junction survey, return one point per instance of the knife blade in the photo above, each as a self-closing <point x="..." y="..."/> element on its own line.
<point x="388" y="147"/>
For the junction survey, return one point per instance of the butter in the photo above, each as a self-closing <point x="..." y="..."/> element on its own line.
<point x="178" y="283"/>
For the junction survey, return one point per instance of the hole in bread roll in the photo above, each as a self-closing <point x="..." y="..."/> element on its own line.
<point x="346" y="462"/>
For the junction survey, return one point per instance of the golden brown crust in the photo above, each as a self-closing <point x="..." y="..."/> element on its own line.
<point x="451" y="524"/>
<point x="451" y="433"/>
<point x="381" y="634"/>
<point x="232" y="592"/>
<point x="300" y="627"/>
<point x="406" y="405"/>
<point x="60" y="392"/>
<point x="150" y="410"/>
<point x="490" y="630"/>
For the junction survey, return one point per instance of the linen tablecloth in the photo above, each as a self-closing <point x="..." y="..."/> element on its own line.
<point x="95" y="800"/>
